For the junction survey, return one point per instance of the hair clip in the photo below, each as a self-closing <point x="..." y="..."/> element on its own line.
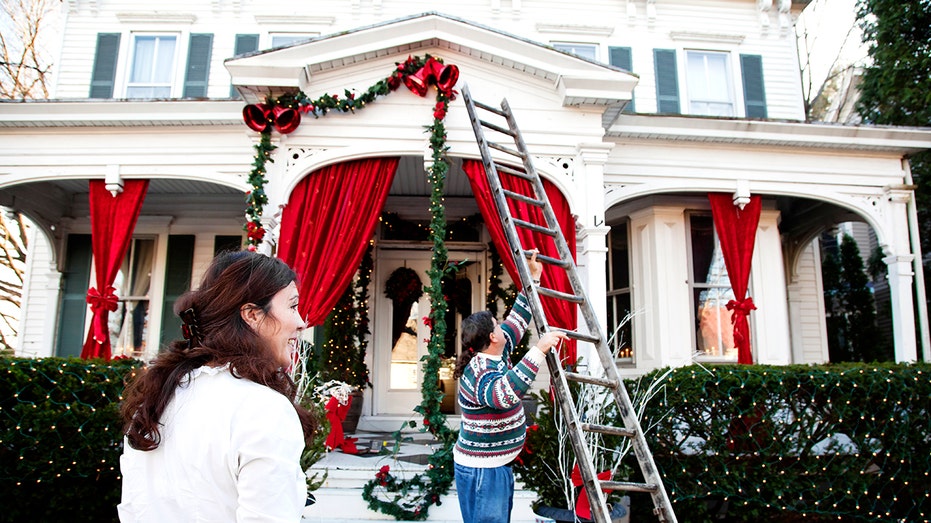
<point x="189" y="328"/>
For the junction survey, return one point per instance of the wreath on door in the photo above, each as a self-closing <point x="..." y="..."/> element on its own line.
<point x="404" y="286"/>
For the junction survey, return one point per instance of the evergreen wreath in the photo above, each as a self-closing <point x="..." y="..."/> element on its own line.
<point x="414" y="496"/>
<point x="403" y="286"/>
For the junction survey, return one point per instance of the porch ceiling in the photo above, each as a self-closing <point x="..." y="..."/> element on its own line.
<point x="578" y="80"/>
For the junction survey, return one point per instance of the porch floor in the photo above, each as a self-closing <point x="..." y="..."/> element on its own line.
<point x="339" y="499"/>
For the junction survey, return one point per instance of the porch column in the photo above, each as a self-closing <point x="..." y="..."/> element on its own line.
<point x="592" y="236"/>
<point x="901" y="275"/>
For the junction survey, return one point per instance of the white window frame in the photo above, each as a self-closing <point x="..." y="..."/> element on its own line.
<point x="693" y="286"/>
<point x="729" y="81"/>
<point x="176" y="67"/>
<point x="575" y="47"/>
<point x="627" y="357"/>
<point x="286" y="38"/>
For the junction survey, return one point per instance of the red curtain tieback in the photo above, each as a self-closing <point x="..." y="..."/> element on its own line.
<point x="741" y="307"/>
<point x="101" y="302"/>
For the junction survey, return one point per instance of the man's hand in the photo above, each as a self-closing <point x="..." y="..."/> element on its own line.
<point x="551" y="339"/>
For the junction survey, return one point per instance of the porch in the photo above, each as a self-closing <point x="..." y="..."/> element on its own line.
<point x="339" y="500"/>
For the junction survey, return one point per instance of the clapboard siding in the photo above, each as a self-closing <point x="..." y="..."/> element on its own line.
<point x="601" y="23"/>
<point x="810" y="300"/>
<point x="36" y="324"/>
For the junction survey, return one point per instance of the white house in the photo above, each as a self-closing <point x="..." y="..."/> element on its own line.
<point x="635" y="109"/>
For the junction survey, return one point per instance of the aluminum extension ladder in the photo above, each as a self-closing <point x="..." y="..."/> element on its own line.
<point x="593" y="486"/>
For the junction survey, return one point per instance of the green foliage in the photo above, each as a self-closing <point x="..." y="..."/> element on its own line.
<point x="753" y="443"/>
<point x="850" y="308"/>
<point x="341" y="357"/>
<point x="844" y="442"/>
<point x="60" y="438"/>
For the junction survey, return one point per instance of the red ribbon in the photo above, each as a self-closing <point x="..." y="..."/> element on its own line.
<point x="582" y="508"/>
<point x="741" y="308"/>
<point x="101" y="305"/>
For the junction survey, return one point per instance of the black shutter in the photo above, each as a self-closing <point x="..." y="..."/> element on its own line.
<point x="104" y="71"/>
<point x="623" y="58"/>
<point x="751" y="69"/>
<point x="198" y="66"/>
<point x="667" y="81"/>
<point x="75" y="282"/>
<point x="244" y="44"/>
<point x="178" y="270"/>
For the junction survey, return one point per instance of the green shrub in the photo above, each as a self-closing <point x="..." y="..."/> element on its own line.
<point x="60" y="438"/>
<point x="847" y="442"/>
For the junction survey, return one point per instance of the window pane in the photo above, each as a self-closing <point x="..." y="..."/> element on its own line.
<point x="709" y="84"/>
<point x="129" y="323"/>
<point x="620" y="334"/>
<point x="583" y="50"/>
<point x="152" y="68"/>
<point x="714" y="331"/>
<point x="620" y="264"/>
<point x="404" y="352"/>
<point x="702" y="236"/>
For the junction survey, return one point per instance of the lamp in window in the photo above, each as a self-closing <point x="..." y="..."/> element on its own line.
<point x="742" y="194"/>
<point x="113" y="182"/>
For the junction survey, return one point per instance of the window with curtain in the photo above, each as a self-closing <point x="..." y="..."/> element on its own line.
<point x="152" y="70"/>
<point x="708" y="78"/>
<point x="589" y="51"/>
<point x="129" y="324"/>
<point x="283" y="39"/>
<point x="710" y="290"/>
<point x="620" y="322"/>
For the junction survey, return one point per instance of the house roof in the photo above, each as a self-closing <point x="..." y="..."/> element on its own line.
<point x="578" y="80"/>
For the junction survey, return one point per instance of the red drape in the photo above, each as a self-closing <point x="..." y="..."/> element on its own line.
<point x="113" y="219"/>
<point x="737" y="233"/>
<point x="559" y="313"/>
<point x="326" y="227"/>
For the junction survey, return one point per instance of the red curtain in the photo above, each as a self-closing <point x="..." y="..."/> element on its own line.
<point x="113" y="219"/>
<point x="559" y="313"/>
<point x="326" y="227"/>
<point x="737" y="233"/>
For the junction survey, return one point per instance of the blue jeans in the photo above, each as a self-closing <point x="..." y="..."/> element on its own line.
<point x="485" y="495"/>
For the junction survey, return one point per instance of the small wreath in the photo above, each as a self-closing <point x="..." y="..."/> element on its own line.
<point x="404" y="286"/>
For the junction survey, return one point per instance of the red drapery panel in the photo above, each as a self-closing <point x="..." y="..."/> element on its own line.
<point x="560" y="313"/>
<point x="737" y="233"/>
<point x="326" y="227"/>
<point x="113" y="219"/>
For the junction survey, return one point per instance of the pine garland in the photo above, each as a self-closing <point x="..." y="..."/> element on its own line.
<point x="412" y="497"/>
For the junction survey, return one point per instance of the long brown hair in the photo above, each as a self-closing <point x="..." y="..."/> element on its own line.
<point x="219" y="336"/>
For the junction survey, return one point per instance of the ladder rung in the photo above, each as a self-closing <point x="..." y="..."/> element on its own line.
<point x="513" y="172"/>
<point x="578" y="335"/>
<point x="534" y="227"/>
<point x="607" y="429"/>
<point x="548" y="259"/>
<point x="526" y="199"/>
<point x="504" y="149"/>
<point x="498" y="128"/>
<point x="562" y="296"/>
<point x="627" y="486"/>
<point x="591" y="380"/>
<point x="486" y="107"/>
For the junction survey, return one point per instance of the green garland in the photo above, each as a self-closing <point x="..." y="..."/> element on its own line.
<point x="411" y="498"/>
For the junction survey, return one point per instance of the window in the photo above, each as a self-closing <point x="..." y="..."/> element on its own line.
<point x="129" y="323"/>
<point x="283" y="39"/>
<point x="152" y="70"/>
<point x="589" y="51"/>
<point x="709" y="83"/>
<point x="619" y="319"/>
<point x="711" y="290"/>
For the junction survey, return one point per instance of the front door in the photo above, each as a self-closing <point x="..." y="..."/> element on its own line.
<point x="399" y="335"/>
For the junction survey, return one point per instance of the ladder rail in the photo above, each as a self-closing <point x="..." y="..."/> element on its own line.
<point x="612" y="380"/>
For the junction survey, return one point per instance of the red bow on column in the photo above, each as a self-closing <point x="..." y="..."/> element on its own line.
<point x="101" y="305"/>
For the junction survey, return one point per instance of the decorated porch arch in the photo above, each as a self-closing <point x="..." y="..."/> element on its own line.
<point x="410" y="498"/>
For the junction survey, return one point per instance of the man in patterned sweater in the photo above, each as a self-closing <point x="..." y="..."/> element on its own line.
<point x="492" y="429"/>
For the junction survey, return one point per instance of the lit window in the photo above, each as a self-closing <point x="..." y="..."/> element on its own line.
<point x="589" y="51"/>
<point x="711" y="290"/>
<point x="152" y="68"/>
<point x="129" y="323"/>
<point x="619" y="319"/>
<point x="709" y="84"/>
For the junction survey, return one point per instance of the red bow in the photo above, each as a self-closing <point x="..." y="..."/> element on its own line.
<point x="741" y="308"/>
<point x="101" y="304"/>
<point x="582" y="508"/>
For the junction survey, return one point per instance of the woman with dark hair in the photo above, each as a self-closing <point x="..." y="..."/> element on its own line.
<point x="213" y="432"/>
<point x="492" y="432"/>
